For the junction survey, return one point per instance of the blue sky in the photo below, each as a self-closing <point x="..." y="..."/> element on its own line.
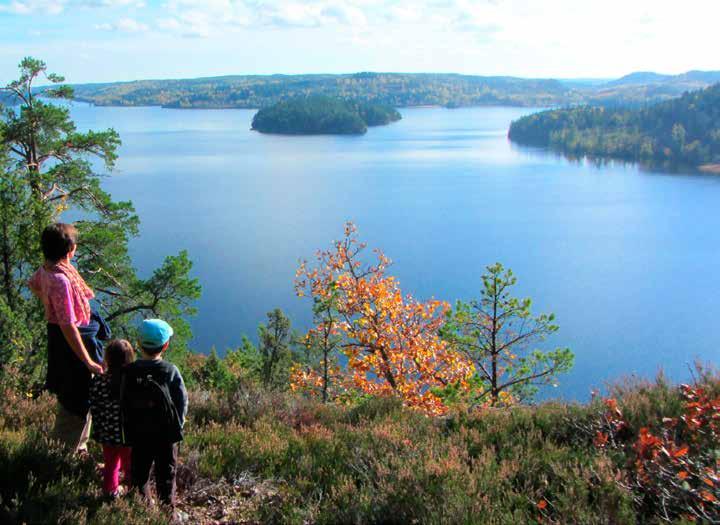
<point x="107" y="40"/>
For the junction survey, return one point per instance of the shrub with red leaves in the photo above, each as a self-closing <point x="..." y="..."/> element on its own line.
<point x="673" y="467"/>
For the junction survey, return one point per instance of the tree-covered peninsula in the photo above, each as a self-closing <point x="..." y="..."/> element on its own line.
<point x="681" y="131"/>
<point x="322" y="115"/>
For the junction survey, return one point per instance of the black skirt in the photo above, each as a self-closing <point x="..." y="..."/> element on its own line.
<point x="67" y="376"/>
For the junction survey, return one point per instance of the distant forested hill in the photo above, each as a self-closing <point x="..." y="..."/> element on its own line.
<point x="642" y="87"/>
<point x="684" y="130"/>
<point x="392" y="89"/>
<point x="685" y="79"/>
<point x="322" y="115"/>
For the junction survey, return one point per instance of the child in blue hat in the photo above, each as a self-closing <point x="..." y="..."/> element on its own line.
<point x="154" y="402"/>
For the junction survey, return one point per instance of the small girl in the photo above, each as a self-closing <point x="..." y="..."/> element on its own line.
<point x="106" y="416"/>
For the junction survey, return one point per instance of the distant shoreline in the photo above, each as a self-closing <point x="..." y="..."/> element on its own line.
<point x="710" y="168"/>
<point x="416" y="106"/>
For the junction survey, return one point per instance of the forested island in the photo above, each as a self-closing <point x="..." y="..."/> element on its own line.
<point x="681" y="131"/>
<point x="322" y="115"/>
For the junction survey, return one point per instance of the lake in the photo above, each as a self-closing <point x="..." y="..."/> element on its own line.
<point x="627" y="259"/>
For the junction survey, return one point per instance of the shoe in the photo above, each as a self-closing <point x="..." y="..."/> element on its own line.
<point x="179" y="516"/>
<point x="119" y="493"/>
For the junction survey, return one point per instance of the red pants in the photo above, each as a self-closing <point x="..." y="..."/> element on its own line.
<point x="117" y="458"/>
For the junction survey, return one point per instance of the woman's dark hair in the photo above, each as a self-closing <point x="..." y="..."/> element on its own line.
<point x="118" y="354"/>
<point x="58" y="240"/>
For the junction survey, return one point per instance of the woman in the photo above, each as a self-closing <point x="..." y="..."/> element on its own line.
<point x="74" y="352"/>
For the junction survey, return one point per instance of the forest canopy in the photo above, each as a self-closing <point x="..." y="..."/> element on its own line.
<point x="681" y="131"/>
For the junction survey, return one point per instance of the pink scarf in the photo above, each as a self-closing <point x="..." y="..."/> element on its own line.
<point x="81" y="292"/>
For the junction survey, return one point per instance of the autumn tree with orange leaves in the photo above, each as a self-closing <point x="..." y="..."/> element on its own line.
<point x="390" y="340"/>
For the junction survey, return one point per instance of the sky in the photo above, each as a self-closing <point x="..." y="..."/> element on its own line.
<point x="113" y="40"/>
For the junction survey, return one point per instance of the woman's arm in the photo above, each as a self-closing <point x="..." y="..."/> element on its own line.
<point x="34" y="286"/>
<point x="34" y="289"/>
<point x="72" y="336"/>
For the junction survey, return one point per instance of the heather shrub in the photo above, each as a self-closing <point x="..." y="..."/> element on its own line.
<point x="385" y="464"/>
<point x="372" y="408"/>
<point x="669" y="459"/>
<point x="244" y="404"/>
<point x="647" y="401"/>
<point x="41" y="482"/>
<point x="257" y="456"/>
<point x="127" y="511"/>
<point x="22" y="410"/>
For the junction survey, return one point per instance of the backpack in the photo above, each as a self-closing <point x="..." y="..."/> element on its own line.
<point x="147" y="407"/>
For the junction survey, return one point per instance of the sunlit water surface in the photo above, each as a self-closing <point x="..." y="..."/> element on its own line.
<point x="627" y="259"/>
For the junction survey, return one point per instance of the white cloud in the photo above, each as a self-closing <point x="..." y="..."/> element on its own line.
<point x="289" y="14"/>
<point x="28" y="7"/>
<point x="345" y="14"/>
<point x="124" y="25"/>
<point x="521" y="37"/>
<point x="205" y="18"/>
<point x="56" y="7"/>
<point x="202" y="18"/>
<point x="110" y="3"/>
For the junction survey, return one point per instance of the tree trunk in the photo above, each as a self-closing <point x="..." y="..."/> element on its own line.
<point x="7" y="267"/>
<point x="494" y="393"/>
<point x="325" y="376"/>
<point x="388" y="374"/>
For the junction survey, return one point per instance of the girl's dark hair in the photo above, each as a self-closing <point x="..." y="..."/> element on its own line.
<point x="118" y="354"/>
<point x="58" y="240"/>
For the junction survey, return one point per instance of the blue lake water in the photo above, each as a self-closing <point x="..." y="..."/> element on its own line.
<point x="627" y="259"/>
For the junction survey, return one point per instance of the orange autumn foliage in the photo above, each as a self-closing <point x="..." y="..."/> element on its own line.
<point x="390" y="340"/>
